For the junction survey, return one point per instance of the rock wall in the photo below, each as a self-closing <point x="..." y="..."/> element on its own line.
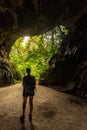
<point x="8" y="73"/>
<point x="68" y="68"/>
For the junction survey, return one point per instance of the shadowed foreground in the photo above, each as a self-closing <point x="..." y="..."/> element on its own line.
<point x="52" y="110"/>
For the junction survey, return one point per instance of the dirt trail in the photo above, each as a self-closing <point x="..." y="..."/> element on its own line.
<point x="52" y="110"/>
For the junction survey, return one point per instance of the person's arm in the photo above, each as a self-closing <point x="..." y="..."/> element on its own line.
<point x="23" y="82"/>
<point x="35" y="84"/>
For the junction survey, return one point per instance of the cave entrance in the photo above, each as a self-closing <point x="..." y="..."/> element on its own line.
<point x="35" y="52"/>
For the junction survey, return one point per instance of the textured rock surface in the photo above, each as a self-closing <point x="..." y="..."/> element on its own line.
<point x="32" y="17"/>
<point x="68" y="68"/>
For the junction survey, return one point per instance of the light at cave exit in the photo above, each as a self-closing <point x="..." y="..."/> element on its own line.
<point x="25" y="39"/>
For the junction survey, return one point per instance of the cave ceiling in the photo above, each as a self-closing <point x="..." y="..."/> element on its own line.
<point x="33" y="17"/>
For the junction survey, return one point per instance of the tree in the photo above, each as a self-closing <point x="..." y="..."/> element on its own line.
<point x="37" y="51"/>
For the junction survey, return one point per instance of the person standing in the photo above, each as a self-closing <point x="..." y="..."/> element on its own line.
<point x="29" y="85"/>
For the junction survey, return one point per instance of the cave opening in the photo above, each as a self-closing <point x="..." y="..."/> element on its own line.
<point x="62" y="66"/>
<point x="35" y="52"/>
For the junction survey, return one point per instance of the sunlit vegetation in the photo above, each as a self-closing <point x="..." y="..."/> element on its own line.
<point x="35" y="52"/>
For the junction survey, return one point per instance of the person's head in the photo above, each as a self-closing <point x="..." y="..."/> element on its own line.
<point x="28" y="71"/>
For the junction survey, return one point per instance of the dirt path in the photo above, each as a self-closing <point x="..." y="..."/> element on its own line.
<point x="52" y="110"/>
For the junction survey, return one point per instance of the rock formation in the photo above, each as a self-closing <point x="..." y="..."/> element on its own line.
<point x="68" y="68"/>
<point x="33" y="17"/>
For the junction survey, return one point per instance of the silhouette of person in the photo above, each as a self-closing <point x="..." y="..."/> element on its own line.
<point x="29" y="85"/>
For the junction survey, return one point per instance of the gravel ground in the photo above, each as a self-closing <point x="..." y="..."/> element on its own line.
<point x="53" y="110"/>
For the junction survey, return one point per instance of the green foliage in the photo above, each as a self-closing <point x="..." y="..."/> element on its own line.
<point x="37" y="51"/>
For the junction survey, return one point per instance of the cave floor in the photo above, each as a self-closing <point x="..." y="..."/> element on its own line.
<point x="53" y="110"/>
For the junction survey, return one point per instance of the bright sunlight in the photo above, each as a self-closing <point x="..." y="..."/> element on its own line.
<point x="25" y="39"/>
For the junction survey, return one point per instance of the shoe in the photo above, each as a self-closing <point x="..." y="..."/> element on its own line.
<point x="30" y="117"/>
<point x="22" y="119"/>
